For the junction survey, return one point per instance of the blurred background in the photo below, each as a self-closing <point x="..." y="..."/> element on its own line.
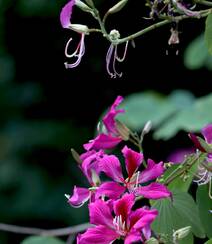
<point x="46" y="110"/>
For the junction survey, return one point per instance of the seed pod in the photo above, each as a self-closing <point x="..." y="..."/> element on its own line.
<point x="82" y="6"/>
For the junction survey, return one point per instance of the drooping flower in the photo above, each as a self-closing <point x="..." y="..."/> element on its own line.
<point x="65" y="20"/>
<point x="112" y="54"/>
<point x="111" y="166"/>
<point x="110" y="138"/>
<point x="132" y="226"/>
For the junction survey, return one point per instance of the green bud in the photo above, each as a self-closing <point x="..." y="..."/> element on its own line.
<point x="82" y="6"/>
<point x="181" y="233"/>
<point x="123" y="131"/>
<point x="79" y="28"/>
<point x="95" y="178"/>
<point x="114" y="35"/>
<point x="90" y="3"/>
<point x="76" y="156"/>
<point x="116" y="8"/>
<point x="152" y="240"/>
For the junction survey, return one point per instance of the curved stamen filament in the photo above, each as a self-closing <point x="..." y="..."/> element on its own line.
<point x="124" y="55"/>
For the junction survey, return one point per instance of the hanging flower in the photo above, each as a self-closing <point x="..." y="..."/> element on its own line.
<point x="65" y="20"/>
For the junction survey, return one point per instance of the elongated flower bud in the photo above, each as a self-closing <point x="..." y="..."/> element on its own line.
<point x="79" y="28"/>
<point x="76" y="156"/>
<point x="123" y="131"/>
<point x="82" y="6"/>
<point x="116" y="8"/>
<point x="181" y="233"/>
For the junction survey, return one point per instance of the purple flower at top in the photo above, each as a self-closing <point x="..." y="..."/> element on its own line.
<point x="111" y="137"/>
<point x="65" y="20"/>
<point x="111" y="166"/>
<point x="132" y="226"/>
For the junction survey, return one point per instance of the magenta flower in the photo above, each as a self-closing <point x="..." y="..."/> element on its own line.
<point x="90" y="168"/>
<point x="65" y="20"/>
<point x="111" y="166"/>
<point x="132" y="226"/>
<point x="111" y="137"/>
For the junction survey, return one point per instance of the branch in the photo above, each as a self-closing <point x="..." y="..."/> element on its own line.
<point x="36" y="231"/>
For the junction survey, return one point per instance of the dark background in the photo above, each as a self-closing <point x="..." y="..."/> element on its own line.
<point x="46" y="109"/>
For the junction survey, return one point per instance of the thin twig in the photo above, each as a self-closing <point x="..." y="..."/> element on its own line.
<point x="36" y="231"/>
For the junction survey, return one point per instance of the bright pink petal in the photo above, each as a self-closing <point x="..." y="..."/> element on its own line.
<point x="123" y="206"/>
<point x="102" y="141"/>
<point x="152" y="171"/>
<point x="79" y="197"/>
<point x="153" y="191"/>
<point x="132" y="159"/>
<point x="111" y="166"/>
<point x="98" y="235"/>
<point x="207" y="133"/>
<point x="65" y="14"/>
<point x="111" y="190"/>
<point x="147" y="232"/>
<point x="133" y="237"/>
<point x="91" y="163"/>
<point x="87" y="154"/>
<point x="100" y="214"/>
<point x="141" y="217"/>
<point x="146" y="219"/>
<point x="109" y="118"/>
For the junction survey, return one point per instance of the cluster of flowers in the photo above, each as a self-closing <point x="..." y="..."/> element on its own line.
<point x="112" y="203"/>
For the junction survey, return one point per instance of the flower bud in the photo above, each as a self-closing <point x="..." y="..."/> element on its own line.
<point x="114" y="35"/>
<point x="117" y="7"/>
<point x="82" y="6"/>
<point x="95" y="178"/>
<point x="90" y="3"/>
<point x="152" y="240"/>
<point x="76" y="156"/>
<point x="123" y="131"/>
<point x="79" y="28"/>
<point x="181" y="233"/>
<point x="147" y="127"/>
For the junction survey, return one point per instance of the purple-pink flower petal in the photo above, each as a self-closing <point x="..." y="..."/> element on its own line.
<point x="98" y="235"/>
<point x="207" y="133"/>
<point x="123" y="206"/>
<point x="91" y="162"/>
<point x="153" y="191"/>
<point x="109" y="118"/>
<point x="102" y="141"/>
<point x="152" y="171"/>
<point x="111" y="190"/>
<point x="111" y="166"/>
<point x="132" y="159"/>
<point x="133" y="237"/>
<point x="79" y="197"/>
<point x="147" y="218"/>
<point x="100" y="214"/>
<point x="65" y="14"/>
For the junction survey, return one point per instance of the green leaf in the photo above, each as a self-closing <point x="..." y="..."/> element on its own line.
<point x="204" y="204"/>
<point x="42" y="240"/>
<point x="191" y="118"/>
<point x="208" y="242"/>
<point x="208" y="33"/>
<point x="196" y="54"/>
<point x="176" y="214"/>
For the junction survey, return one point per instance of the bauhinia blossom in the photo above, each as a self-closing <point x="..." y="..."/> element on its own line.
<point x="110" y="138"/>
<point x="90" y="168"/>
<point x="65" y="20"/>
<point x="131" y="226"/>
<point x="111" y="166"/>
